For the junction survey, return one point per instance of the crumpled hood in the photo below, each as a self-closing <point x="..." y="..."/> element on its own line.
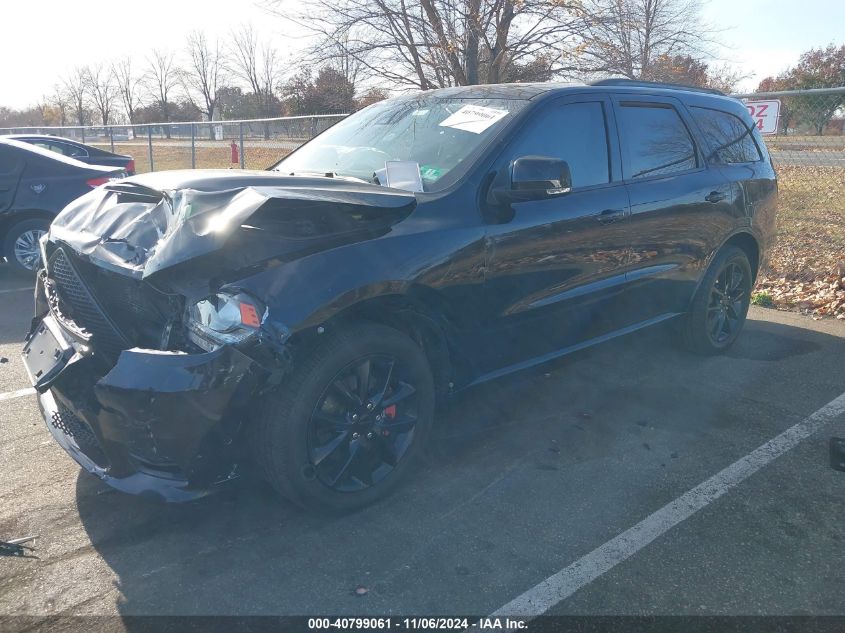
<point x="148" y="223"/>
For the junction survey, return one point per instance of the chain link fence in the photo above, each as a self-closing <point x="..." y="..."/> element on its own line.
<point x="807" y="146"/>
<point x="806" y="269"/>
<point x="249" y="144"/>
<point x="805" y="135"/>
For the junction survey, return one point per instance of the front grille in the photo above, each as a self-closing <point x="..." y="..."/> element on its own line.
<point x="77" y="303"/>
<point x="71" y="425"/>
<point x="142" y="313"/>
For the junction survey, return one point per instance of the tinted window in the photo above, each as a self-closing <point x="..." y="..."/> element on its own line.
<point x="729" y="138"/>
<point x="576" y="133"/>
<point x="655" y="141"/>
<point x="68" y="150"/>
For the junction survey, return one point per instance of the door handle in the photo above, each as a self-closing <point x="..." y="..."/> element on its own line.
<point x="715" y="196"/>
<point x="609" y="216"/>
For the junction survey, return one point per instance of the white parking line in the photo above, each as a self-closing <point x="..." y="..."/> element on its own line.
<point x="585" y="570"/>
<point x="9" y="395"/>
<point x="7" y="291"/>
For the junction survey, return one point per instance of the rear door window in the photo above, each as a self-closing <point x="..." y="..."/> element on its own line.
<point x="729" y="139"/>
<point x="655" y="141"/>
<point x="574" y="132"/>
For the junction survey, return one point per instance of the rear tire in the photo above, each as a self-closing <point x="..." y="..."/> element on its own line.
<point x="21" y="244"/>
<point x="317" y="442"/>
<point x="720" y="305"/>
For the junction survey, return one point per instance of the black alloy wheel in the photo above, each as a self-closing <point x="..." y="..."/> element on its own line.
<point x="718" y="310"/>
<point x="351" y="420"/>
<point x="728" y="297"/>
<point x="363" y="424"/>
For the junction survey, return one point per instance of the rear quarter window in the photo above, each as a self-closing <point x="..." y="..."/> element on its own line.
<point x="729" y="138"/>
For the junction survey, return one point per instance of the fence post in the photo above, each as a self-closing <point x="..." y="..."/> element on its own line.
<point x="241" y="133"/>
<point x="193" y="147"/>
<point x="150" y="146"/>
<point x="111" y="138"/>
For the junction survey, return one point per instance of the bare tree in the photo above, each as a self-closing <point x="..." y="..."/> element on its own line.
<point x="162" y="79"/>
<point x="205" y="73"/>
<point x="347" y="65"/>
<point x="102" y="90"/>
<point x="59" y="100"/>
<point x="128" y="87"/>
<point x="633" y="38"/>
<point x="75" y="87"/>
<point x="435" y="43"/>
<point x="258" y="65"/>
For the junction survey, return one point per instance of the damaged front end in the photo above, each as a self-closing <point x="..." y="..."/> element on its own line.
<point x="146" y="354"/>
<point x="126" y="392"/>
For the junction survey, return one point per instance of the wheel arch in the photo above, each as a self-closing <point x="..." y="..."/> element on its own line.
<point x="748" y="243"/>
<point x="743" y="240"/>
<point x="11" y="219"/>
<point x="419" y="313"/>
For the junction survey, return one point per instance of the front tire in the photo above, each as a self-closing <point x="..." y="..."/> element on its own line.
<point x="720" y="305"/>
<point x="350" y="422"/>
<point x="21" y="246"/>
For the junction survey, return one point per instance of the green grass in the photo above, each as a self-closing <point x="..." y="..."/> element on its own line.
<point x="762" y="299"/>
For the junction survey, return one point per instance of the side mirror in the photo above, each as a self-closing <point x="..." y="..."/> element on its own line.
<point x="540" y="174"/>
<point x="534" y="178"/>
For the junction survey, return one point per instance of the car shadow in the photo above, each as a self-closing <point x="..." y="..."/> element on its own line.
<point x="245" y="551"/>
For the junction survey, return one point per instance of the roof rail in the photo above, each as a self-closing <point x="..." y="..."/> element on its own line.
<point x="654" y="84"/>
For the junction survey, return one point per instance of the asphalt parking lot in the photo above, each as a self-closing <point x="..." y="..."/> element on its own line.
<point x="526" y="476"/>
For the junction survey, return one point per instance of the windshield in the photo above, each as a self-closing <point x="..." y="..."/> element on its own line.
<point x="442" y="136"/>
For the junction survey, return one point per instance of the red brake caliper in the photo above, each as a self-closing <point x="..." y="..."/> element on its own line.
<point x="390" y="413"/>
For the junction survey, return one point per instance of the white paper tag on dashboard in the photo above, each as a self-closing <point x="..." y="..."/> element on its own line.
<point x="403" y="174"/>
<point x="474" y="118"/>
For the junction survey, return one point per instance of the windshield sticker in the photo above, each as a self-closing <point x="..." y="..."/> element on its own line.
<point x="431" y="173"/>
<point x="474" y="118"/>
<point x="420" y="112"/>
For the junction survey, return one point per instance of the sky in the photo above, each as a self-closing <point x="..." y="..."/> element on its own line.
<point x="43" y="39"/>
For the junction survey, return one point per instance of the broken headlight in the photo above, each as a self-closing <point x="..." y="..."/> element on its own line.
<point x="224" y="319"/>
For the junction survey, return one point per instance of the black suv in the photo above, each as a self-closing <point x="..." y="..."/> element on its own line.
<point x="307" y="319"/>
